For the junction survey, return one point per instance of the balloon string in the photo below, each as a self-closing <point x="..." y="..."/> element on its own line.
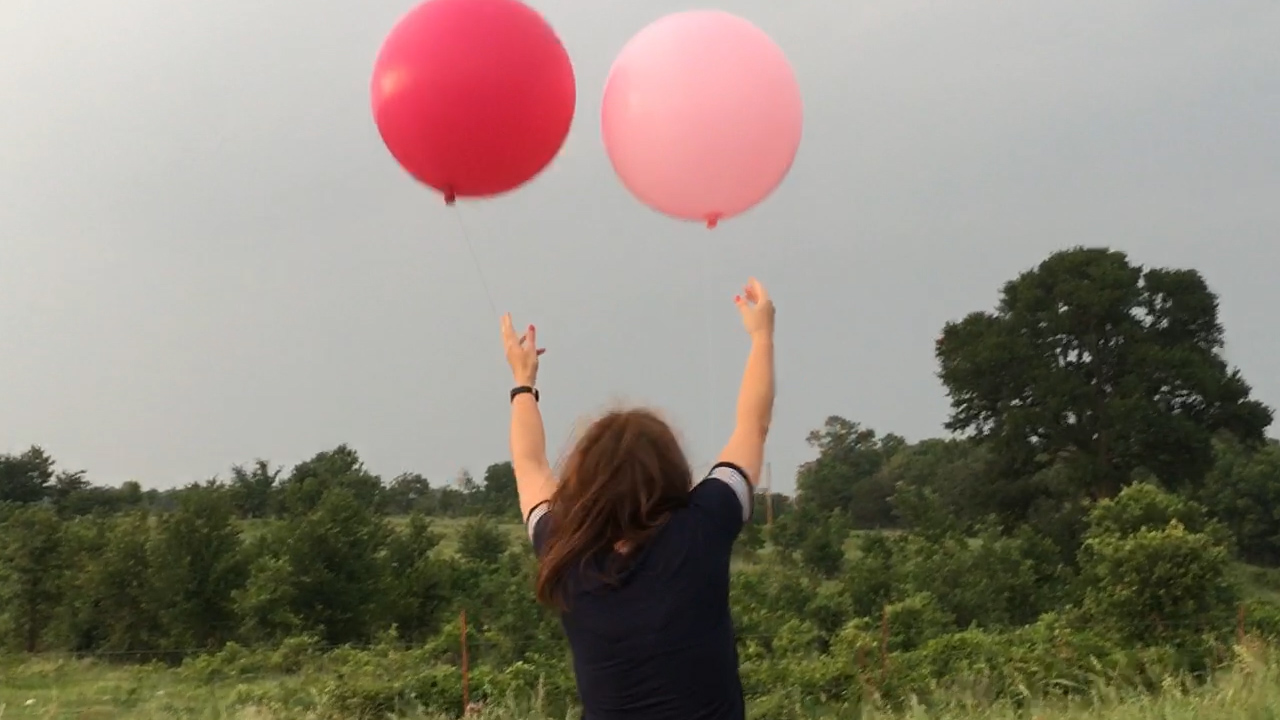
<point x="710" y="346"/>
<point x="466" y="238"/>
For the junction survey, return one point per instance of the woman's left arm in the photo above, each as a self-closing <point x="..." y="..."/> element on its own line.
<point x="534" y="480"/>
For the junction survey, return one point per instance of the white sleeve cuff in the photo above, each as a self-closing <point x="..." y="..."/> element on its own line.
<point x="535" y="516"/>
<point x="738" y="483"/>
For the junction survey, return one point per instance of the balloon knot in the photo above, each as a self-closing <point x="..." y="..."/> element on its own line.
<point x="713" y="220"/>
<point x="450" y="197"/>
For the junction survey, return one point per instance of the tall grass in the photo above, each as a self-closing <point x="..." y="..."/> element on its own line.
<point x="90" y="690"/>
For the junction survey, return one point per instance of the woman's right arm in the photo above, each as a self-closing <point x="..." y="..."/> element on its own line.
<point x="745" y="448"/>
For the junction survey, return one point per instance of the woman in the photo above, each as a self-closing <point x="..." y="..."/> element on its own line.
<point x="633" y="554"/>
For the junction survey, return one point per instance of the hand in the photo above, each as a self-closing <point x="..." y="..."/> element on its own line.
<point x="756" y="309"/>
<point x="522" y="352"/>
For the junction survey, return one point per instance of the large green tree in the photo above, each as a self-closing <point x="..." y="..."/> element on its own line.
<point x="1099" y="367"/>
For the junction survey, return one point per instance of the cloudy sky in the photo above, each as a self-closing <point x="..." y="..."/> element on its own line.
<point x="207" y="256"/>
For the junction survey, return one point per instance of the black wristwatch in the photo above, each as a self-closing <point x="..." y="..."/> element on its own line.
<point x="524" y="389"/>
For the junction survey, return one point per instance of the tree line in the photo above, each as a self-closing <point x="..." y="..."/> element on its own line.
<point x="261" y="490"/>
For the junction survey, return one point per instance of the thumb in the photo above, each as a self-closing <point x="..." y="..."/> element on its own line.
<point x="741" y="303"/>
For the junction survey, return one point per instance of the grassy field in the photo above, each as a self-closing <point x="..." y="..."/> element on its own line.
<point x="47" y="689"/>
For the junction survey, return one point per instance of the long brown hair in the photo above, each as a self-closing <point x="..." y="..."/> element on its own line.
<point x="618" y="485"/>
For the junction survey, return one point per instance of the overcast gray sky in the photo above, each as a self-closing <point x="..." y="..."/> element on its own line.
<point x="206" y="254"/>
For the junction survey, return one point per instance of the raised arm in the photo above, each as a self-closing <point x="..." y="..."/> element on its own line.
<point x="755" y="397"/>
<point x="534" y="480"/>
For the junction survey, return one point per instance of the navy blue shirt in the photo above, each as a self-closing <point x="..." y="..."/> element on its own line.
<point x="660" y="645"/>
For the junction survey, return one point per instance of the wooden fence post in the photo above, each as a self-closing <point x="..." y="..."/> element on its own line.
<point x="466" y="669"/>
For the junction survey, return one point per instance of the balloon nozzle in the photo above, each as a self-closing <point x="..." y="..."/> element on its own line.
<point x="712" y="221"/>
<point x="450" y="197"/>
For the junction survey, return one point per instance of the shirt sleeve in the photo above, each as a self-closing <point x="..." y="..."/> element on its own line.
<point x="724" y="496"/>
<point x="537" y="525"/>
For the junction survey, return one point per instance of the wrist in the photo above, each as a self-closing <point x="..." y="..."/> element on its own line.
<point x="762" y="337"/>
<point x="525" y="381"/>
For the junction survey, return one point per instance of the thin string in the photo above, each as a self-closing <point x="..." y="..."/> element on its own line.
<point x="709" y="346"/>
<point x="466" y="238"/>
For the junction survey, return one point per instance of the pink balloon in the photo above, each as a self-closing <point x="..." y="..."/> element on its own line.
<point x="702" y="115"/>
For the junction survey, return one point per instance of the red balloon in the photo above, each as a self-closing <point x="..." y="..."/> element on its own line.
<point x="473" y="97"/>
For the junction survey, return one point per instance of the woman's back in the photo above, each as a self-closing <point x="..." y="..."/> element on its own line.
<point x="636" y="561"/>
<point x="660" y="642"/>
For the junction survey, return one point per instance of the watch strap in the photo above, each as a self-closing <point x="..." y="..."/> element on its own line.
<point x="521" y="389"/>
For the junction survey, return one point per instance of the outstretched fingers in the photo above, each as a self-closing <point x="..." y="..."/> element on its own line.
<point x="528" y="340"/>
<point x="532" y="336"/>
